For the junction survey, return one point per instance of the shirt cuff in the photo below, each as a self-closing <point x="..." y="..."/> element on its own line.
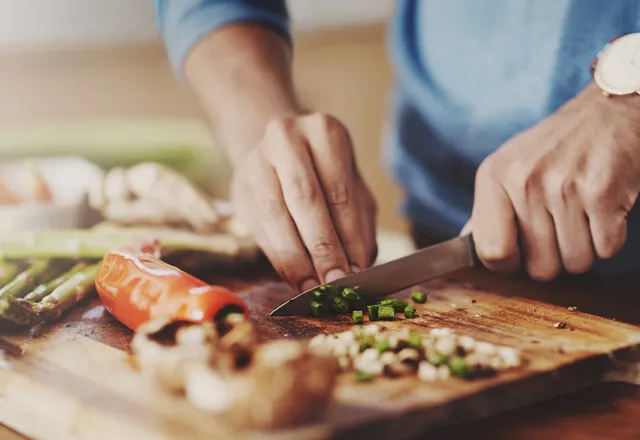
<point x="182" y="31"/>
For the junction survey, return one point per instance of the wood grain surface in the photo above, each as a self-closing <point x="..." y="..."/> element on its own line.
<point x="76" y="380"/>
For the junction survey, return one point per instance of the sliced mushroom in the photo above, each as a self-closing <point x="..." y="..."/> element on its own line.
<point x="161" y="358"/>
<point x="288" y="385"/>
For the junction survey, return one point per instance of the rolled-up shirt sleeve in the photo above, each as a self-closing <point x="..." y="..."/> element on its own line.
<point x="185" y="22"/>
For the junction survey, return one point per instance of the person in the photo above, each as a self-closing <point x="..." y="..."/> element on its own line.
<point x="498" y="128"/>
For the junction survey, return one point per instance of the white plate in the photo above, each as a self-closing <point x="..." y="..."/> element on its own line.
<point x="68" y="178"/>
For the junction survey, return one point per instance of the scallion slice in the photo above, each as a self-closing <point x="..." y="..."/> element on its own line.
<point x="419" y="296"/>
<point x="356" y="316"/>
<point x="386" y="312"/>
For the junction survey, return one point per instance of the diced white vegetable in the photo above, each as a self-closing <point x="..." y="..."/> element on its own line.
<point x="408" y="354"/>
<point x="443" y="372"/>
<point x="510" y="357"/>
<point x="370" y="354"/>
<point x="427" y="372"/>
<point x="446" y="345"/>
<point x="485" y="348"/>
<point x="347" y="337"/>
<point x="467" y="342"/>
<point x="387" y="358"/>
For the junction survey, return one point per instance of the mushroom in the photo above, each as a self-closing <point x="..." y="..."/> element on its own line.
<point x="163" y="348"/>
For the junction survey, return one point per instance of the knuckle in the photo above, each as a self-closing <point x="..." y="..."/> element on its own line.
<point x="281" y="127"/>
<point x="487" y="170"/>
<point x="325" y="122"/>
<point x="269" y="207"/>
<point x="525" y="183"/>
<point x="303" y="193"/>
<point x="599" y="194"/>
<point x="561" y="188"/>
<point x="338" y="194"/>
<point x="323" y="248"/>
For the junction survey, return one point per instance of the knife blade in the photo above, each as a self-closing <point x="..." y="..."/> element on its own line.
<point x="385" y="279"/>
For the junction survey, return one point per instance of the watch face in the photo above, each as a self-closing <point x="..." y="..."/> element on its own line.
<point x="618" y="68"/>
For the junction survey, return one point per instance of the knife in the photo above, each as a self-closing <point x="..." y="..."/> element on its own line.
<point x="388" y="278"/>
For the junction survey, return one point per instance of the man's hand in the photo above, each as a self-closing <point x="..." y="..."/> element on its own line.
<point x="300" y="193"/>
<point x="557" y="195"/>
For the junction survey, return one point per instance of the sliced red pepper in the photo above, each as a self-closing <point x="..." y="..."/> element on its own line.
<point x="136" y="286"/>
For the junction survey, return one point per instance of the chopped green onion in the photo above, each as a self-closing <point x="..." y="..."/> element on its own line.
<point x="397" y="304"/>
<point x="400" y="305"/>
<point x="419" y="296"/>
<point x="436" y="359"/>
<point x="382" y="345"/>
<point x="361" y="376"/>
<point x="356" y="316"/>
<point x="354" y="300"/>
<point x="373" y="312"/>
<point x="386" y="312"/>
<point x="318" y="309"/>
<point x="458" y="366"/>
<point x="366" y="341"/>
<point x="414" y="340"/>
<point x="340" y="305"/>
<point x="326" y="288"/>
<point x="320" y="296"/>
<point x="409" y="312"/>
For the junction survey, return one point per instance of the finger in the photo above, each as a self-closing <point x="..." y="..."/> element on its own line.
<point x="290" y="157"/>
<point x="332" y="154"/>
<point x="572" y="230"/>
<point x="495" y="230"/>
<point x="607" y="221"/>
<point x="608" y="232"/>
<point x="537" y="238"/>
<point x="275" y="231"/>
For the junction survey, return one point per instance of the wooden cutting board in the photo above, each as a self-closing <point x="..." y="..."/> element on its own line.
<point x="74" y="381"/>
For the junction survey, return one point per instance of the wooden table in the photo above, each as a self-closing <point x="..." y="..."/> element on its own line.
<point x="609" y="411"/>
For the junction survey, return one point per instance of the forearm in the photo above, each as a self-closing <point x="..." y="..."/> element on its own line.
<point x="242" y="75"/>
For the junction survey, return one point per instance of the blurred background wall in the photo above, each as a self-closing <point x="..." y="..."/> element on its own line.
<point x="92" y="75"/>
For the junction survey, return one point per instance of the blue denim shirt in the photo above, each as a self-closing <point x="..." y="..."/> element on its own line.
<point x="470" y="75"/>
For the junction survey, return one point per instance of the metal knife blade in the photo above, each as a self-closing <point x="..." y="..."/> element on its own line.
<point x="385" y="279"/>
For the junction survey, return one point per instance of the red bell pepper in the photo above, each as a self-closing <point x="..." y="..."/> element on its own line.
<point x="136" y="286"/>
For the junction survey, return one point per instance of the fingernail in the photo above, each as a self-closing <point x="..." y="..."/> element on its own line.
<point x="355" y="269"/>
<point x="309" y="284"/>
<point x="334" y="274"/>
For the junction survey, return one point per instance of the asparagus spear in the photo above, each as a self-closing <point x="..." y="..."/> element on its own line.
<point x="8" y="271"/>
<point x="39" y="272"/>
<point x="45" y="289"/>
<point x="75" y="285"/>
<point x="94" y="244"/>
<point x="73" y="290"/>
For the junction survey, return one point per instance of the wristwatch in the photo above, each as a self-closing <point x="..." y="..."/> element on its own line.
<point x="616" y="69"/>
